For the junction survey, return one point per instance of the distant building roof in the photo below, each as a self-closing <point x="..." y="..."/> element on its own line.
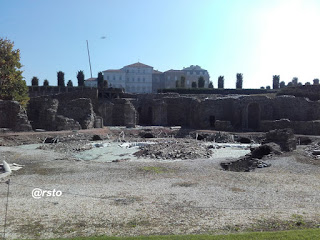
<point x="193" y="67"/>
<point x="91" y="79"/>
<point x="138" y="64"/>
<point x="156" y="72"/>
<point x="172" y="70"/>
<point x="113" y="70"/>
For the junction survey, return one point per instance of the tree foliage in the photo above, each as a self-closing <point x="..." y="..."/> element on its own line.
<point x="276" y="82"/>
<point x="70" y="83"/>
<point x="183" y="82"/>
<point x="210" y="85"/>
<point x="201" y="82"/>
<point x="12" y="85"/>
<point x="295" y="81"/>
<point x="177" y="83"/>
<point x="316" y="81"/>
<point x="60" y="76"/>
<point x="100" y="80"/>
<point x="80" y="77"/>
<point x="105" y="83"/>
<point x="35" y="81"/>
<point x="239" y="81"/>
<point x="194" y="85"/>
<point x="46" y="83"/>
<point x="221" y="82"/>
<point x="282" y="84"/>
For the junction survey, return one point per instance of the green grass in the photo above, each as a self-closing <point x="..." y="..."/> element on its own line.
<point x="310" y="234"/>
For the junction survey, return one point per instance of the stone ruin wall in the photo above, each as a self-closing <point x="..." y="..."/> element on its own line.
<point x="248" y="113"/>
<point x="63" y="111"/>
<point x="79" y="110"/>
<point x="13" y="116"/>
<point x="118" y="112"/>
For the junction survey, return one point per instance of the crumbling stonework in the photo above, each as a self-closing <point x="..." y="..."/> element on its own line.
<point x="13" y="116"/>
<point x="283" y="137"/>
<point x="80" y="110"/>
<point x="119" y="112"/>
<point x="232" y="113"/>
<point x="51" y="114"/>
<point x="228" y="113"/>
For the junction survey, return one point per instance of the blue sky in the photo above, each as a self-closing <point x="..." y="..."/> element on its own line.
<point x="258" y="38"/>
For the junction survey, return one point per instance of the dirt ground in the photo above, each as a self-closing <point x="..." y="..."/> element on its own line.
<point x="148" y="195"/>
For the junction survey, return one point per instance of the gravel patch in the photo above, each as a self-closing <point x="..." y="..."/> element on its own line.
<point x="151" y="197"/>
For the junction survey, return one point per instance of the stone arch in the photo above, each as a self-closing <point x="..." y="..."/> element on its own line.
<point x="253" y="116"/>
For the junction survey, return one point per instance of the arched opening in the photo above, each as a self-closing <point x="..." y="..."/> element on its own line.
<point x="253" y="116"/>
<point x="149" y="116"/>
<point x="212" y="121"/>
<point x="139" y="110"/>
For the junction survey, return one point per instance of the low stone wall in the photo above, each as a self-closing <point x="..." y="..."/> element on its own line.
<point x="13" y="116"/>
<point x="299" y="127"/>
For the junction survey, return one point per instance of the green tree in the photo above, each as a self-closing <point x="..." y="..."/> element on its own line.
<point x="183" y="82"/>
<point x="105" y="83"/>
<point x="295" y="81"/>
<point x="239" y="81"/>
<point x="177" y="83"/>
<point x="201" y="82"/>
<point x="194" y="85"/>
<point x="12" y="85"/>
<point x="290" y="84"/>
<point x="262" y="87"/>
<point x="210" y="85"/>
<point x="35" y="81"/>
<point x="80" y="77"/>
<point x="268" y="87"/>
<point x="276" y="82"/>
<point x="70" y="84"/>
<point x="307" y="84"/>
<point x="46" y="83"/>
<point x="221" y="82"/>
<point x="316" y="81"/>
<point x="60" y="76"/>
<point x="282" y="84"/>
<point x="100" y="80"/>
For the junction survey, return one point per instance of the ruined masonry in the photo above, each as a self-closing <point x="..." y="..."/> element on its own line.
<point x="87" y="109"/>
<point x="12" y="116"/>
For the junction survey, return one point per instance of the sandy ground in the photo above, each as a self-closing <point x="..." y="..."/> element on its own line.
<point x="151" y="197"/>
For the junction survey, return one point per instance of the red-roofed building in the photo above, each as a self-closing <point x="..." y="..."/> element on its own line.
<point x="116" y="78"/>
<point x="134" y="78"/>
<point x="157" y="81"/>
<point x="138" y="65"/>
<point x="142" y="78"/>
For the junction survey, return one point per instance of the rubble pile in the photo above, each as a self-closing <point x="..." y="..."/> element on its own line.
<point x="313" y="150"/>
<point x="175" y="149"/>
<point x="252" y="160"/>
<point x="283" y="137"/>
<point x="66" y="144"/>
<point x="245" y="164"/>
